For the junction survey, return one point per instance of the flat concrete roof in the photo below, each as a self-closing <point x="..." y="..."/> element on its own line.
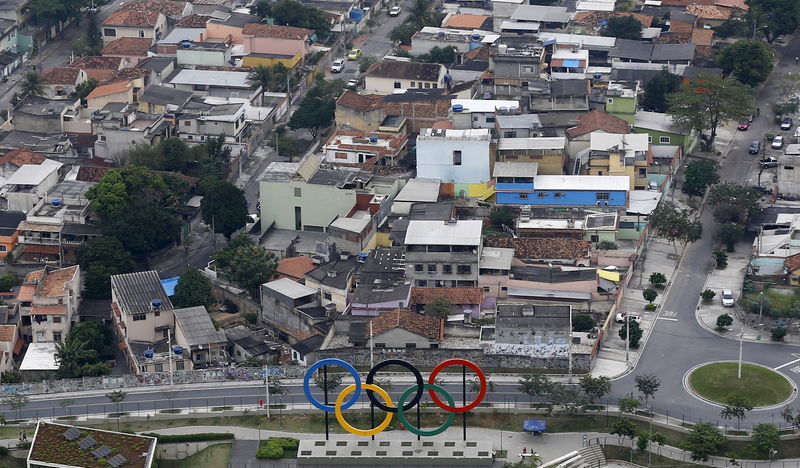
<point x="40" y="357"/>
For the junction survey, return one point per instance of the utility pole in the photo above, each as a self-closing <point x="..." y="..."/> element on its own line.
<point x="371" y="347"/>
<point x="741" y="339"/>
<point x="169" y="350"/>
<point x="627" y="339"/>
<point x="266" y="388"/>
<point x="760" y="313"/>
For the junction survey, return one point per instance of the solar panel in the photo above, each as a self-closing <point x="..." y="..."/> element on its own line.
<point x="87" y="443"/>
<point x="117" y="460"/>
<point x="72" y="434"/>
<point x="102" y="452"/>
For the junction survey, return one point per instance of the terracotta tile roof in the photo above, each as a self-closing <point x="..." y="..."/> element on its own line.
<point x="108" y="89"/>
<point x="53" y="284"/>
<point x="360" y="102"/>
<point x="455" y="295"/>
<point x="401" y="318"/>
<point x="20" y="156"/>
<point x="99" y="75"/>
<point x="550" y="248"/>
<point x="791" y="263"/>
<point x="33" y="277"/>
<point x="405" y="70"/>
<point x="193" y="21"/>
<point x="167" y="8"/>
<point x="26" y="293"/>
<point x="466" y="21"/>
<point x="129" y="46"/>
<point x="276" y="32"/>
<point x="702" y="37"/>
<point x="711" y="12"/>
<point x="598" y="120"/>
<point x="40" y="249"/>
<point x="8" y="332"/>
<point x="61" y="75"/>
<point x="97" y="62"/>
<point x="92" y="173"/>
<point x="598" y="18"/>
<point x="740" y="4"/>
<point x="294" y="268"/>
<point x="677" y="26"/>
<point x="674" y="38"/>
<point x="130" y="74"/>
<point x="480" y="54"/>
<point x="132" y="18"/>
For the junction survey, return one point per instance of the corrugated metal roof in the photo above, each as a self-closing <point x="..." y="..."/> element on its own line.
<point x="463" y="232"/>
<point x="196" y="326"/>
<point x="134" y="291"/>
<point x="531" y="143"/>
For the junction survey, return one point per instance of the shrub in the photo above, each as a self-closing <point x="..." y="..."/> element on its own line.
<point x="275" y="446"/>
<point x="658" y="280"/>
<point x="724" y="320"/>
<point x="650" y="307"/>
<point x="582" y="323"/>
<point x="3" y="451"/>
<point x="650" y="295"/>
<point x="199" y="437"/>
<point x="720" y="258"/>
<point x="606" y="245"/>
<point x="708" y="295"/>
<point x="778" y="333"/>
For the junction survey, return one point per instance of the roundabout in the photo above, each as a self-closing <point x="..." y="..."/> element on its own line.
<point x="713" y="382"/>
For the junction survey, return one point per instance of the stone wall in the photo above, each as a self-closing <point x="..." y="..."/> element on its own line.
<point x="182" y="450"/>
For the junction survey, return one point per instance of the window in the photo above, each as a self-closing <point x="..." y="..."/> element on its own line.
<point x="447" y="269"/>
<point x="603" y="195"/>
<point x="159" y="367"/>
<point x="649" y="139"/>
<point x="157" y="313"/>
<point x="595" y="238"/>
<point x="411" y="345"/>
<point x="109" y="32"/>
<point x="165" y="333"/>
<point x="432" y="268"/>
<point x="524" y="84"/>
<point x="642" y="172"/>
<point x="788" y="168"/>
<point x="490" y="119"/>
<point x="339" y="155"/>
<point x="427" y="86"/>
<point x="57" y="336"/>
<point x="610" y="101"/>
<point x="187" y="123"/>
<point x="201" y="122"/>
<point x="298" y="192"/>
<point x="397" y="85"/>
<point x="457" y="158"/>
<point x="559" y="194"/>
<point x="510" y="135"/>
<point x="664" y="139"/>
<point x="179" y="365"/>
<point x="380" y="345"/>
<point x="418" y="267"/>
<point x="326" y="295"/>
<point x="103" y="138"/>
<point x="542" y="195"/>
<point x="56" y="319"/>
<point x="434" y="346"/>
<point x="413" y="83"/>
<point x="141" y="33"/>
<point x="464" y="269"/>
<point x="599" y="172"/>
<point x="523" y="196"/>
<point x="503" y="288"/>
<point x="138" y="317"/>
<point x="435" y="86"/>
<point x="422" y="283"/>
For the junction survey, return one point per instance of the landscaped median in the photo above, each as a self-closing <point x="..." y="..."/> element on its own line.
<point x="761" y="386"/>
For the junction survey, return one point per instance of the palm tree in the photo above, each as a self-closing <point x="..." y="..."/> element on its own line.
<point x="70" y="355"/>
<point x="32" y="84"/>
<point x="420" y="14"/>
<point x="260" y="76"/>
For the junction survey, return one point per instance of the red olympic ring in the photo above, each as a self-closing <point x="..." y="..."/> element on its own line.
<point x="457" y="362"/>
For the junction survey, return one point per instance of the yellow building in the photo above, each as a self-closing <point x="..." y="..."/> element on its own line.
<point x="255" y="59"/>
<point x="618" y="154"/>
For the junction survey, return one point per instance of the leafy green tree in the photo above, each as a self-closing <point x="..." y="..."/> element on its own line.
<point x="778" y="333"/>
<point x="708" y="101"/>
<point x="736" y="407"/>
<point x="502" y="216"/>
<point x="439" y="307"/>
<point x="708" y="295"/>
<point x="403" y="33"/>
<point x="32" y="84"/>
<point x="787" y="414"/>
<point x="703" y="440"/>
<point x="99" y="259"/>
<point x="535" y="385"/>
<point x="658" y="88"/>
<point x="628" y="404"/>
<point x="636" y="332"/>
<point x="750" y="62"/>
<point x="225" y="207"/>
<point x="606" y="245"/>
<point x="117" y="397"/>
<point x="736" y="195"/>
<point x="15" y="401"/>
<point x="44" y="12"/>
<point x="334" y="380"/>
<point x="261" y="8"/>
<point x="724" y="320"/>
<point x="421" y="14"/>
<point x="365" y="62"/>
<point x="623" y="27"/>
<point x="595" y="388"/>
<point x="568" y="397"/>
<point x="674" y="224"/>
<point x="775" y="17"/>
<point x="8" y="281"/>
<point x="647" y="385"/>
<point x="765" y="437"/>
<point x="71" y="355"/>
<point x="729" y="234"/>
<point x="193" y="289"/>
<point x="643" y="441"/>
<point x="582" y="323"/>
<point x="700" y="173"/>
<point x="720" y="258"/>
<point x="658" y="279"/>
<point x="624" y="428"/>
<point x="83" y="89"/>
<point x="94" y="38"/>
<point x="98" y="338"/>
<point x="445" y="55"/>
<point x="246" y="264"/>
<point x="650" y="295"/>
<point x="316" y="112"/>
<point x="293" y="13"/>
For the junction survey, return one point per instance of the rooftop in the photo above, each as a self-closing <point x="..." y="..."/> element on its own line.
<point x="462" y="232"/>
<point x="466" y="21"/>
<point x="54" y="282"/>
<point x="624" y="142"/>
<point x="193" y="21"/>
<point x="419" y="324"/>
<point x="171" y="8"/>
<point x="61" y="75"/>
<point x="294" y="268"/>
<point x="581" y="182"/>
<point x="289" y="288"/>
<point x="529" y="121"/>
<point x="22" y="156"/>
<point x="336" y="273"/>
<point x="128" y="46"/>
<point x="515" y="169"/>
<point x="419" y="190"/>
<point x="277" y="32"/>
<point x="96" y="62"/>
<point x="197" y="327"/>
<point x="132" y="18"/>
<point x="252" y="342"/>
<point x="544" y="14"/>
<point x="360" y="102"/>
<point x="33" y="174"/>
<point x="658" y="121"/>
<point x="227" y="79"/>
<point x="457" y="296"/>
<point x="55" y="444"/>
<point x="40" y="357"/>
<point x="546" y="248"/>
<point x="164" y="95"/>
<point x="405" y="70"/>
<point x="598" y="120"/>
<point x="483" y="105"/>
<point x="134" y="291"/>
<point x="531" y="143"/>
<point x="448" y="134"/>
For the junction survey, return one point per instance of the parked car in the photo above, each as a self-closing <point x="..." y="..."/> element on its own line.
<point x="761" y="189"/>
<point x="786" y="123"/>
<point x="769" y="162"/>
<point x="744" y="125"/>
<point x="395" y="11"/>
<point x="354" y="54"/>
<point x="755" y="147"/>
<point x="620" y="318"/>
<point x="777" y="142"/>
<point x="337" y="66"/>
<point x="727" y="298"/>
<point x="353" y="83"/>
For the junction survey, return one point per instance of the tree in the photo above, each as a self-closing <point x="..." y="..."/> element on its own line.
<point x="117" y="397"/>
<point x="502" y="216"/>
<point x="83" y="89"/>
<point x="658" y="279"/>
<point x="778" y="333"/>
<point x="675" y="224"/>
<point x="261" y="8"/>
<point x="65" y="404"/>
<point x="8" y="281"/>
<point x="628" y="404"/>
<point x="720" y="258"/>
<point x="224" y="207"/>
<point x="595" y="388"/>
<point x="474" y="385"/>
<point x="700" y="173"/>
<point x="45" y="12"/>
<point x="32" y="84"/>
<point x="535" y="385"/>
<point x="445" y="55"/>
<point x="731" y="194"/>
<point x="765" y="437"/>
<point x="439" y="307"/>
<point x="16" y="401"/>
<point x="724" y="320"/>
<point x="365" y="62"/>
<point x="582" y="323"/>
<point x="648" y="385"/>
<point x="293" y="13"/>
<point x="98" y="338"/>
<point x="420" y="14"/>
<point x="748" y="61"/>
<point x="729" y="233"/>
<point x="315" y="113"/>
<point x="268" y="78"/>
<point x="606" y="245"/>
<point x="623" y="27"/>
<point x="334" y="380"/>
<point x="71" y="355"/>
<point x="403" y="33"/>
<point x="787" y="413"/>
<point x="736" y="407"/>
<point x="658" y="88"/>
<point x="708" y="101"/>
<point x="703" y="440"/>
<point x="100" y="258"/>
<point x="650" y="295"/>
<point x="636" y="332"/>
<point x="624" y="428"/>
<point x="708" y="295"/>
<point x="643" y="441"/>
<point x="246" y="264"/>
<point x="776" y="17"/>
<point x="567" y="397"/>
<point x="193" y="289"/>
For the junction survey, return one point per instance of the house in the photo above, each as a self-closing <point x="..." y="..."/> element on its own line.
<point x="578" y="137"/>
<point x="359" y="147"/>
<point x="381" y="283"/>
<point x="514" y="69"/>
<point x="245" y="344"/>
<point x="180" y="38"/>
<point x="553" y="277"/>
<point x="334" y="280"/>
<point x="461" y="40"/>
<point x="443" y="253"/>
<point x="119" y="125"/>
<point x="157" y="99"/>
<point x="55" y="146"/>
<point x="389" y="76"/>
<point x="9" y="341"/>
<point x="401" y="328"/>
<point x="9" y="236"/>
<point x="215" y="83"/>
<point x="568" y="61"/>
<point x="9" y="61"/>
<point x="109" y="92"/>
<point x="131" y="50"/>
<point x="204" y="53"/>
<point x="618" y="154"/>
<point x="421" y="108"/>
<point x="60" y="82"/>
<point x="14" y="159"/>
<point x="98" y="67"/>
<point x="194" y="20"/>
<point x="547" y="152"/>
<point x="229" y="25"/>
<point x="196" y="334"/>
<point x="148" y="24"/>
<point x="217" y="120"/>
<point x="627" y="50"/>
<point x="788" y="177"/>
<point x="544" y="17"/>
<point x="54" y="444"/>
<point x="661" y="130"/>
<point x="555" y="250"/>
<point x="709" y="15"/>
<point x="480" y="113"/>
<point x="273" y="40"/>
<point x="159" y="68"/>
<point x="294" y="268"/>
<point x="302" y="350"/>
<point x="791" y="270"/>
<point x="620" y="99"/>
<point x="564" y="95"/>
<point x="292" y="309"/>
<point x="23" y="190"/>
<point x="48" y="301"/>
<point x="565" y="190"/>
<point x="466" y="301"/>
<point x="38" y="114"/>
<point x="518" y="126"/>
<point x="468" y="22"/>
<point x="454" y="156"/>
<point x="495" y="266"/>
<point x="361" y="112"/>
<point x="174" y="10"/>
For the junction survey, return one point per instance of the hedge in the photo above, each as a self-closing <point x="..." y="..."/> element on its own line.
<point x="275" y="446"/>
<point x="201" y="437"/>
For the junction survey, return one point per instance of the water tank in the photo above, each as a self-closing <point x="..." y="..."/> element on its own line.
<point x="177" y="349"/>
<point x="502" y="49"/>
<point x="373" y="139"/>
<point x="476" y="37"/>
<point x="185" y="44"/>
<point x="597" y="76"/>
<point x="458" y="108"/>
<point x="155" y="304"/>
<point x="148" y="353"/>
<point x="56" y="202"/>
<point x="441" y="33"/>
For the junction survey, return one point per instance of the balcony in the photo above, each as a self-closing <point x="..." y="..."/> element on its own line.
<point x="38" y="240"/>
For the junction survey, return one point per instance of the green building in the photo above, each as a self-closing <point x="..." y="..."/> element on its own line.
<point x="621" y="100"/>
<point x="662" y="130"/>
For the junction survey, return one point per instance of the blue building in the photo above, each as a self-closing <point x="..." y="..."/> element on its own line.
<point x="521" y="186"/>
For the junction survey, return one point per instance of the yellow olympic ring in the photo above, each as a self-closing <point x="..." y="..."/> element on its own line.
<point x="354" y="430"/>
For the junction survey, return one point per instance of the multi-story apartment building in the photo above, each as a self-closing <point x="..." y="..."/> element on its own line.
<point x="443" y="253"/>
<point x="48" y="301"/>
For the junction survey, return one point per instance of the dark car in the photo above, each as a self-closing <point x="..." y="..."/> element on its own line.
<point x="755" y="147"/>
<point x="786" y="123"/>
<point x="744" y="125"/>
<point x="761" y="188"/>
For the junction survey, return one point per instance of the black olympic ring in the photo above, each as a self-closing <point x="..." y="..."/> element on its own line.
<point x="401" y="363"/>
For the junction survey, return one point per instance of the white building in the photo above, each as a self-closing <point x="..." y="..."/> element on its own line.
<point x="392" y="76"/>
<point x="454" y="156"/>
<point x="480" y="113"/>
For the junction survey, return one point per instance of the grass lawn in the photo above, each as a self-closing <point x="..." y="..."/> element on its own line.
<point x="215" y="456"/>
<point x="11" y="462"/>
<point x="758" y="384"/>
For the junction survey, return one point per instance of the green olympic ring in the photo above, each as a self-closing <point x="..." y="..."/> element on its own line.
<point x="416" y="430"/>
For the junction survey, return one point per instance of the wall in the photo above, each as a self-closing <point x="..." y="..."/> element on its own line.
<point x="435" y="160"/>
<point x="124" y="31"/>
<point x="37" y="123"/>
<point x="622" y="107"/>
<point x="254" y="61"/>
<point x="570" y="198"/>
<point x="182" y="450"/>
<point x="399" y="338"/>
<point x="379" y="85"/>
<point x="117" y="141"/>
<point x="202" y="57"/>
<point x="655" y="137"/>
<point x="419" y="114"/>
<point x="8" y="243"/>
<point x="271" y="45"/>
<point x="100" y="101"/>
<point x="222" y="31"/>
<point x="278" y="204"/>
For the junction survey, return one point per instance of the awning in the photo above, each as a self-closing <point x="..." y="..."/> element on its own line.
<point x="18" y="346"/>
<point x="610" y="275"/>
<point x="534" y="425"/>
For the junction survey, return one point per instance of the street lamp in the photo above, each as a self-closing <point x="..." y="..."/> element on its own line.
<point x="760" y="313"/>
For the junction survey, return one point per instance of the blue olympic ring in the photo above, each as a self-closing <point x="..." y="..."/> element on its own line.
<point x="332" y="362"/>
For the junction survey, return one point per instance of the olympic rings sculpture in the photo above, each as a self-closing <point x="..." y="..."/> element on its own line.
<point x="387" y="405"/>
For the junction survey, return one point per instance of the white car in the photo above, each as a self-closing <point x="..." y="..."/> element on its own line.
<point x="727" y="298"/>
<point x="620" y="318"/>
<point x="337" y="66"/>
<point x="777" y="142"/>
<point x="353" y="83"/>
<point x="395" y="11"/>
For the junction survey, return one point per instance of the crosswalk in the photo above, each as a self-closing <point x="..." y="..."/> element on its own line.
<point x="670" y="315"/>
<point x="795" y="369"/>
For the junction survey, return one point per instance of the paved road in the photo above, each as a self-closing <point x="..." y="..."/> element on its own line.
<point x="676" y="346"/>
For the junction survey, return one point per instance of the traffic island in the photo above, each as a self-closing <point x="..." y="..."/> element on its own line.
<point x="715" y="382"/>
